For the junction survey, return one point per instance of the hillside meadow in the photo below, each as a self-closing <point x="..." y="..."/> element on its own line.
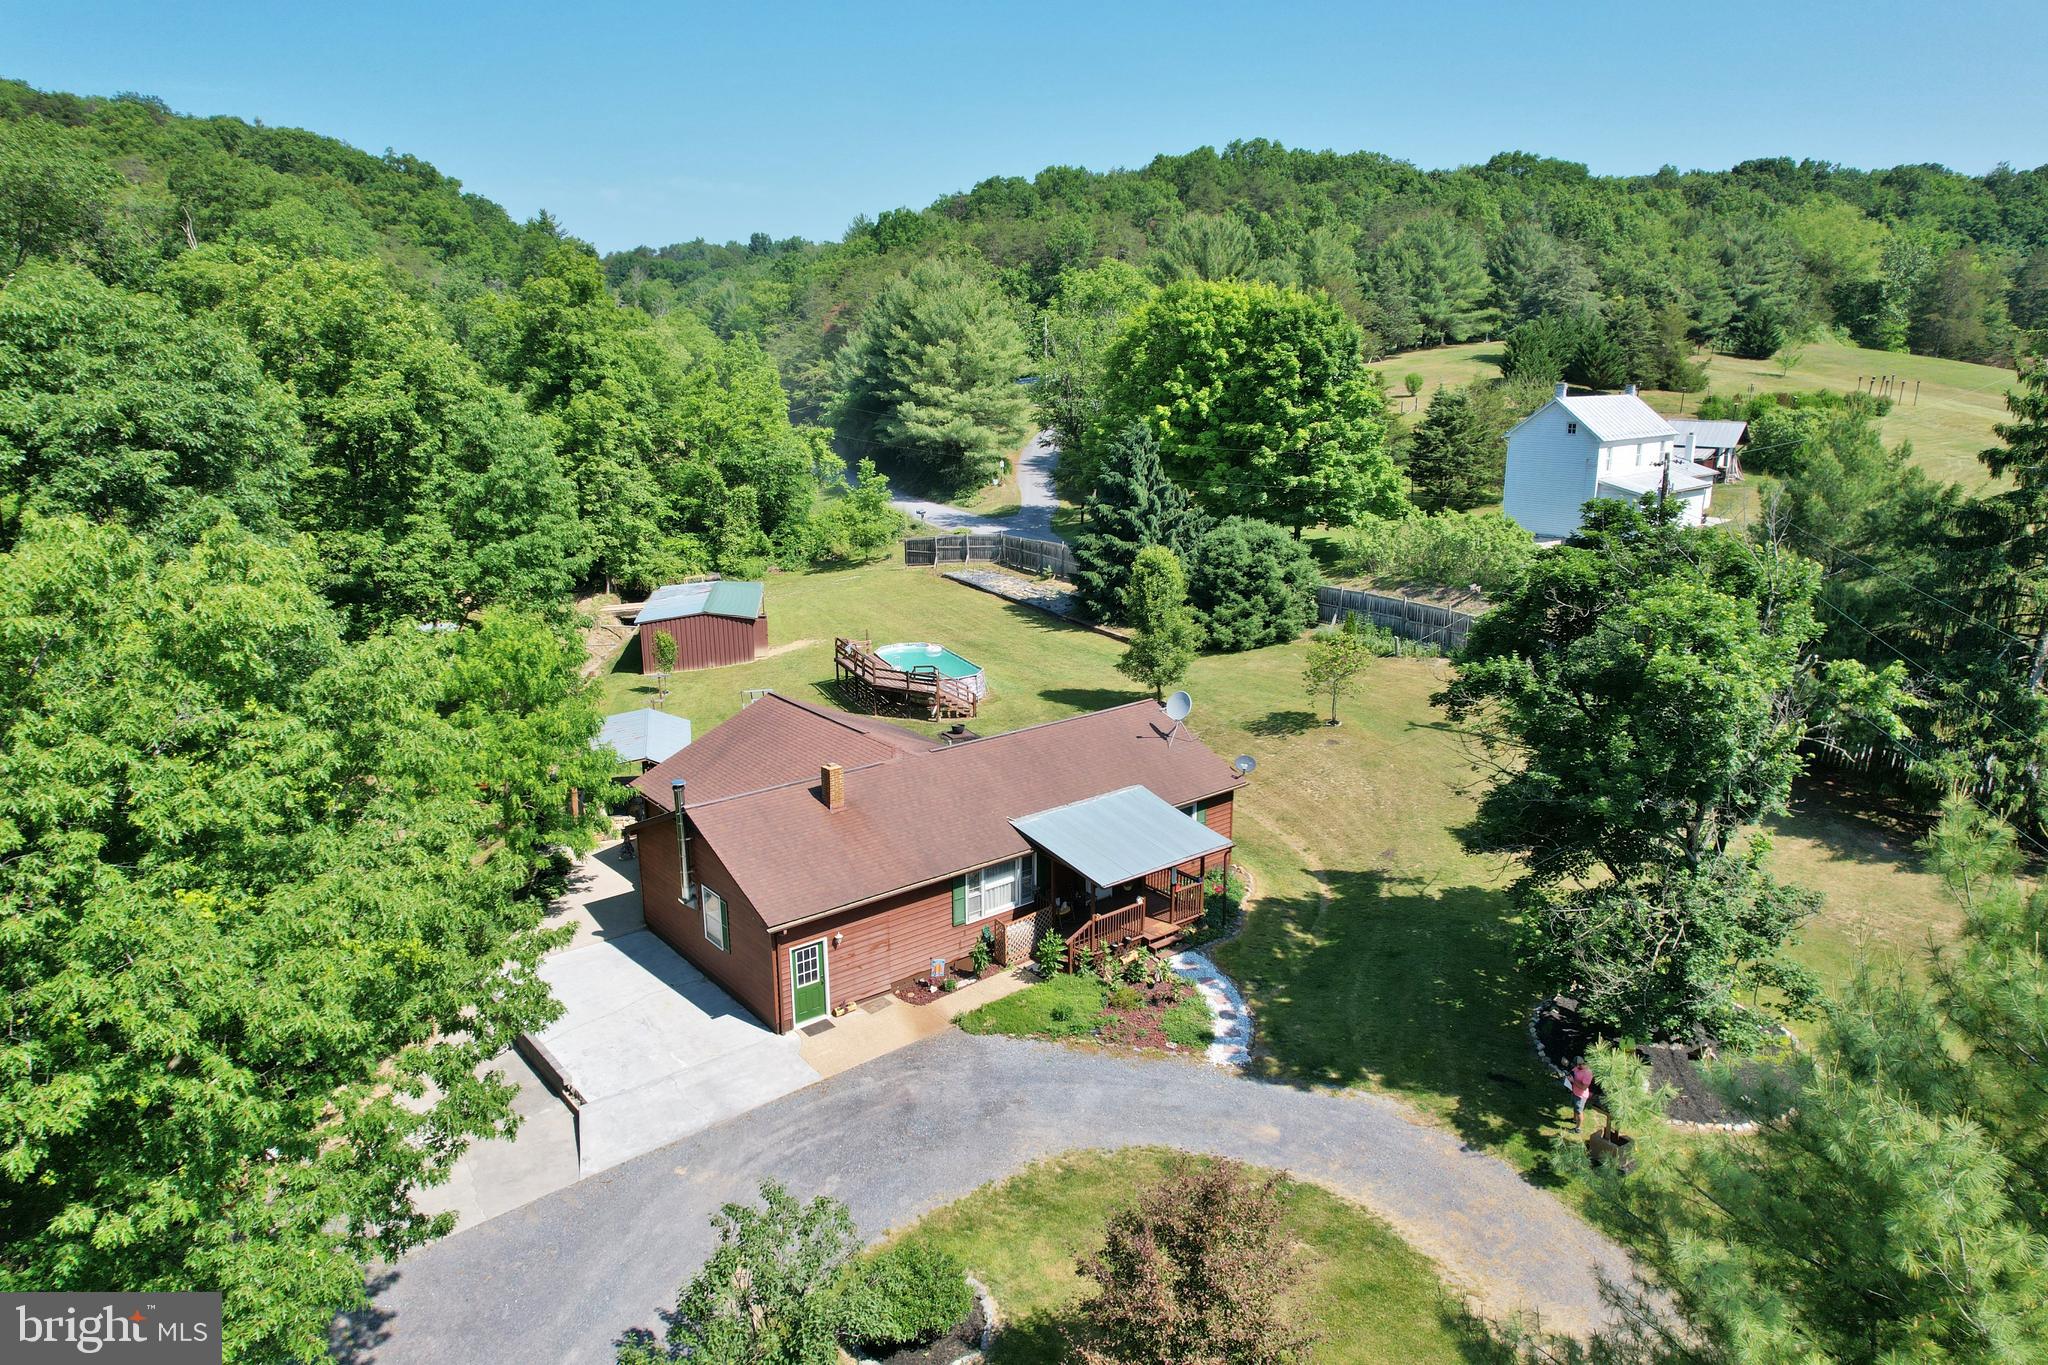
<point x="1380" y="952"/>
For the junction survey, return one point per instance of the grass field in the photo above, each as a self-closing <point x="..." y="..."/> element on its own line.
<point x="1379" y="953"/>
<point x="1372" y="1297"/>
<point x="1948" y="418"/>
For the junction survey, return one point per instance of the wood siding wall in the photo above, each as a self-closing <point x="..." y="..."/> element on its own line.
<point x="890" y="941"/>
<point x="746" y="967"/>
<point x="705" y="641"/>
<point x="880" y="944"/>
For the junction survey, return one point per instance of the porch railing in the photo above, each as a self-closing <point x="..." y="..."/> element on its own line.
<point x="1113" y="928"/>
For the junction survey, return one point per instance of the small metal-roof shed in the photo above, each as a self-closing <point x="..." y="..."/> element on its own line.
<point x="733" y="600"/>
<point x="713" y="622"/>
<point x="1120" y="836"/>
<point x="644" y="736"/>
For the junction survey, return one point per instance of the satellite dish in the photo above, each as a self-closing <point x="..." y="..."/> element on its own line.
<point x="1177" y="707"/>
<point x="1244" y="763"/>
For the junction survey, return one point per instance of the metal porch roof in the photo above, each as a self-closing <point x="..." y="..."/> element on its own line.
<point x="1119" y="836"/>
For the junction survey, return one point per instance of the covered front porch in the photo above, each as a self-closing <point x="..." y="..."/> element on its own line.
<point x="1124" y="869"/>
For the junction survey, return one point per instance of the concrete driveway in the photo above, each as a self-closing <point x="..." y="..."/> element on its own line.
<point x="560" y="1279"/>
<point x="650" y="1049"/>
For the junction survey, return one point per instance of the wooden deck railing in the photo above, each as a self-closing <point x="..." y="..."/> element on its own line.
<point x="879" y="682"/>
<point x="1112" y="929"/>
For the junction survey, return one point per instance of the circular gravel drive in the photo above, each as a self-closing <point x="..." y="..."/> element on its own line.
<point x="561" y="1278"/>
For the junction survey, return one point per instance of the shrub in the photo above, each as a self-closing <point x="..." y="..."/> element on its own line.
<point x="1197" y="1269"/>
<point x="948" y="986"/>
<point x="983" y="953"/>
<point x="1084" y="960"/>
<point x="1125" y="998"/>
<point x="1447" y="551"/>
<point x="1138" y="968"/>
<point x="1061" y="1014"/>
<point x="764" y="1293"/>
<point x="905" y="1296"/>
<point x="1252" y="585"/>
<point x="1050" y="953"/>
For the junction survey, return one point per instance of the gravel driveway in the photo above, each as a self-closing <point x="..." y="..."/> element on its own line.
<point x="561" y="1278"/>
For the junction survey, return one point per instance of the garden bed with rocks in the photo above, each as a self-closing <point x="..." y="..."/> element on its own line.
<point x="1561" y="1036"/>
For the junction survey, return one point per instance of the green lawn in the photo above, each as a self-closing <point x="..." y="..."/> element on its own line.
<point x="1378" y="952"/>
<point x="1371" y="1296"/>
<point x="1073" y="1007"/>
<point x="1948" y="420"/>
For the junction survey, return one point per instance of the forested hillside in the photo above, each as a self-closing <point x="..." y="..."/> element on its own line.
<point x="1916" y="257"/>
<point x="303" y="455"/>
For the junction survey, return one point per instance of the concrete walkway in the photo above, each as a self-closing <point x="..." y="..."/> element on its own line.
<point x="879" y="1027"/>
<point x="1035" y="497"/>
<point x="560" y="1279"/>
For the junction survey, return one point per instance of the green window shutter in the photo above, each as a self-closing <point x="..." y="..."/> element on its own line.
<point x="960" y="900"/>
<point x="724" y="926"/>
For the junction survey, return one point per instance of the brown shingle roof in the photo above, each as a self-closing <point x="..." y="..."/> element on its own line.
<point x="917" y="817"/>
<point x="773" y="741"/>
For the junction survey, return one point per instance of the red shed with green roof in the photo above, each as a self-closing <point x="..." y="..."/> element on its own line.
<point x="713" y="622"/>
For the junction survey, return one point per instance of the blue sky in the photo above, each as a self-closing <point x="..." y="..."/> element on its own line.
<point x="657" y="123"/>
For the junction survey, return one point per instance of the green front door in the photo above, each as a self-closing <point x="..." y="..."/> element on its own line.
<point x="807" y="981"/>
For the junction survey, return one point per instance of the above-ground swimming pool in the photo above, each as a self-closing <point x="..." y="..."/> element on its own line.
<point x="949" y="664"/>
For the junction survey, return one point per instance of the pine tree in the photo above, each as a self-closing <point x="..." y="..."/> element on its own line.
<point x="1135" y="505"/>
<point x="1893" y="1204"/>
<point x="931" y="376"/>
<point x="1164" y="633"/>
<point x="1450" y="464"/>
<point x="1445" y="273"/>
<point x="2022" y="512"/>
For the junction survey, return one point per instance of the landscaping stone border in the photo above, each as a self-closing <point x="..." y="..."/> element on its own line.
<point x="1683" y="1125"/>
<point x="1230" y="1019"/>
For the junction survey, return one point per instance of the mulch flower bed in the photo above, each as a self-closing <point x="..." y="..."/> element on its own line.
<point x="1562" y="1036"/>
<point x="923" y="990"/>
<point x="1144" y="1026"/>
<point x="961" y="1341"/>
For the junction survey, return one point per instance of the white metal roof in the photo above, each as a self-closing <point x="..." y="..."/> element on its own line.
<point x="1119" y="836"/>
<point x="1685" y="478"/>
<point x="1709" y="435"/>
<point x="1616" y="416"/>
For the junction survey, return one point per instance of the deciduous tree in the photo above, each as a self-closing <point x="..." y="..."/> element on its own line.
<point x="1259" y="401"/>
<point x="1336" y="657"/>
<point x="1163" y="631"/>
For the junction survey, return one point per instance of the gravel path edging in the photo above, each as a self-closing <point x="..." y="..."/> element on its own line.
<point x="1230" y="1019"/>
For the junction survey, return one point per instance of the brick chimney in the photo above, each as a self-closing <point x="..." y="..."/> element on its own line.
<point x="832" y="785"/>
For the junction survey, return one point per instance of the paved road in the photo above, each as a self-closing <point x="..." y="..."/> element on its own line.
<point x="561" y="1278"/>
<point x="1034" y="495"/>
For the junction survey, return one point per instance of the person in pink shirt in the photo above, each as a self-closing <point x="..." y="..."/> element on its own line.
<point x="1580" y="1083"/>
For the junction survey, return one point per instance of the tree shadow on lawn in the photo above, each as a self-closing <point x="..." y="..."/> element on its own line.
<point x="1404" y="983"/>
<point x="1092" y="698"/>
<point x="1281" y="724"/>
<point x="1041" y="1337"/>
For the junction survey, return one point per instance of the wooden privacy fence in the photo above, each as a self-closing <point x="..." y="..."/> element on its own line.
<point x="1012" y="552"/>
<point x="1407" y="618"/>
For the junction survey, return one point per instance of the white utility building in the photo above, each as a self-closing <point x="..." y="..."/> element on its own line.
<point x="1579" y="447"/>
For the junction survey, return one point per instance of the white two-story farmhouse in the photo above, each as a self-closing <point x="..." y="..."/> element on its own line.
<point x="1579" y="447"/>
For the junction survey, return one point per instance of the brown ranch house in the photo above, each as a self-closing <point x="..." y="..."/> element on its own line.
<point x="826" y="858"/>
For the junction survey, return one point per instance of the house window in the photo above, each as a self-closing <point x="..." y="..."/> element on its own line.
<point x="715" y="922"/>
<point x="1005" y="886"/>
<point x="1571" y="428"/>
